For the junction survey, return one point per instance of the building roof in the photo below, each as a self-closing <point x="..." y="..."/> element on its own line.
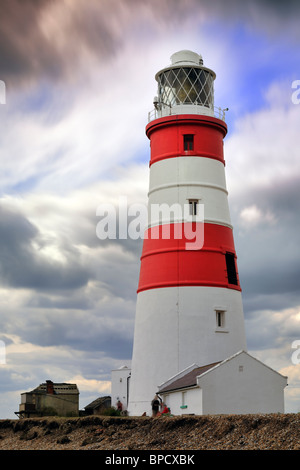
<point x="187" y="380"/>
<point x="97" y="403"/>
<point x="188" y="377"/>
<point x="58" y="388"/>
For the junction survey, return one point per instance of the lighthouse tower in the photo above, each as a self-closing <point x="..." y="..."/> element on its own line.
<point x="189" y="306"/>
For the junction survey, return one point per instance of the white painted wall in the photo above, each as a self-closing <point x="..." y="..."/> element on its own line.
<point x="243" y="385"/>
<point x="192" y="399"/>
<point x="187" y="169"/>
<point x="119" y="386"/>
<point x="176" y="180"/>
<point x="176" y="329"/>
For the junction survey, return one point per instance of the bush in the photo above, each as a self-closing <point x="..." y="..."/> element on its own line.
<point x="111" y="412"/>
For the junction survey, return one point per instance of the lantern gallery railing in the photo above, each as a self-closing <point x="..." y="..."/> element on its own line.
<point x="167" y="110"/>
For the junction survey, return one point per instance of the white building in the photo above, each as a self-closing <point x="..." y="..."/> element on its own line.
<point x="238" y="385"/>
<point x="120" y="386"/>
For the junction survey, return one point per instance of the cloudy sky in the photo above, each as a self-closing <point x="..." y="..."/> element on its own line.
<point x="79" y="83"/>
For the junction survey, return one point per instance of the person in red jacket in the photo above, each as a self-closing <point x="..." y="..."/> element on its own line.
<point x="165" y="409"/>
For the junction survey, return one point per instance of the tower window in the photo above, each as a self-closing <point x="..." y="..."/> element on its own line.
<point x="193" y="203"/>
<point x="231" y="269"/>
<point x="221" y="320"/>
<point x="220" y="317"/>
<point x="188" y="142"/>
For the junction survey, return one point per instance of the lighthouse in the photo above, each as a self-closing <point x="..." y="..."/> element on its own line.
<point x="189" y="305"/>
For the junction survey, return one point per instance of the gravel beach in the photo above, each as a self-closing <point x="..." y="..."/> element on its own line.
<point x="224" y="432"/>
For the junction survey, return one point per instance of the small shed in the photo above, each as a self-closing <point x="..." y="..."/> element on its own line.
<point x="98" y="406"/>
<point x="240" y="384"/>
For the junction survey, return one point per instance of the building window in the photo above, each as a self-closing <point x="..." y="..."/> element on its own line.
<point x="193" y="204"/>
<point x="220" y="318"/>
<point x="231" y="269"/>
<point x="188" y="142"/>
<point x="183" y="400"/>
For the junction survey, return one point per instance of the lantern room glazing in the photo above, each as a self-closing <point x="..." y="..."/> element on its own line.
<point x="185" y="87"/>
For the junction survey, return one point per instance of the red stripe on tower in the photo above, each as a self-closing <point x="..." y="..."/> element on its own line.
<point x="166" y="261"/>
<point x="168" y="140"/>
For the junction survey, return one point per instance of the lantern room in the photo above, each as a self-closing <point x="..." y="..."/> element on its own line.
<point x="185" y="86"/>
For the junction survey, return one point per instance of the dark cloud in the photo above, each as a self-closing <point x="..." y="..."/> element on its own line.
<point x="269" y="330"/>
<point x="29" y="48"/>
<point x="49" y="38"/>
<point x="254" y="301"/>
<point x="63" y="302"/>
<point x="281" y="195"/>
<point x="23" y="266"/>
<point x="7" y="379"/>
<point x="107" y="330"/>
<point x="261" y="333"/>
<point x="20" y="53"/>
<point x="63" y="308"/>
<point x="283" y="198"/>
<point x="283" y="9"/>
<point x="264" y="14"/>
<point x="268" y="252"/>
